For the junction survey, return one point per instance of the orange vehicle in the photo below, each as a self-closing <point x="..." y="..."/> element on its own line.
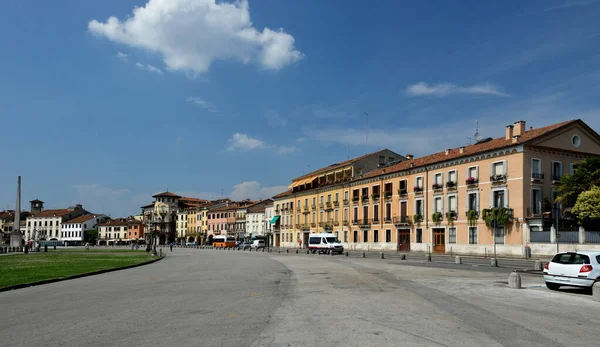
<point x="222" y="241"/>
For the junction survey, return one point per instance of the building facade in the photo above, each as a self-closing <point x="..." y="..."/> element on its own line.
<point x="256" y="222"/>
<point x="72" y="232"/>
<point x="45" y="225"/>
<point x="444" y="202"/>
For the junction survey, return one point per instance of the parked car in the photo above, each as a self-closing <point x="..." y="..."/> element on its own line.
<point x="579" y="269"/>
<point x="258" y="244"/>
<point x="244" y="245"/>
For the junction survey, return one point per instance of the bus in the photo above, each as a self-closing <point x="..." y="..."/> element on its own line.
<point x="222" y="241"/>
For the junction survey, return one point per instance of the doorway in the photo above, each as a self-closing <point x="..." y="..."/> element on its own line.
<point x="404" y="240"/>
<point x="305" y="240"/>
<point x="439" y="240"/>
<point x="277" y="240"/>
<point x="403" y="218"/>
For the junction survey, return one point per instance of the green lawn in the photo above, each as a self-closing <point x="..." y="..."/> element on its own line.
<point x="27" y="268"/>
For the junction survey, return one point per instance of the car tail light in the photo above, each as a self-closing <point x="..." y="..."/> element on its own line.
<point x="546" y="266"/>
<point x="585" y="268"/>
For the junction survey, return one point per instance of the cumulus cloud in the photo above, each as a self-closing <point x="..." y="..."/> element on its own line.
<point x="244" y="142"/>
<point x="444" y="89"/>
<point x="198" y="101"/>
<point x="122" y="56"/>
<point x="254" y="190"/>
<point x="191" y="34"/>
<point x="149" y="67"/>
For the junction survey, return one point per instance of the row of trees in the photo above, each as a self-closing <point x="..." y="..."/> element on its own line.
<point x="579" y="193"/>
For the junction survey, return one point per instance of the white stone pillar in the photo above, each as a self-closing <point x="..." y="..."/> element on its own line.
<point x="552" y="234"/>
<point x="581" y="235"/>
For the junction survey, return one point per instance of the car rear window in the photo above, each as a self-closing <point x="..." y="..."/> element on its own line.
<point x="571" y="258"/>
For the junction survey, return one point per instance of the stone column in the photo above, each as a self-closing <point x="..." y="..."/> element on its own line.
<point x="581" y="235"/>
<point x="552" y="234"/>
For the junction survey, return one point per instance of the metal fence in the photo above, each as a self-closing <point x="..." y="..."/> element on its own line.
<point x="592" y="237"/>
<point x="540" y="236"/>
<point x="568" y="236"/>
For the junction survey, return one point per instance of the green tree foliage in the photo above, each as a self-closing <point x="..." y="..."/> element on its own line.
<point x="587" y="207"/>
<point x="91" y="236"/>
<point x="587" y="175"/>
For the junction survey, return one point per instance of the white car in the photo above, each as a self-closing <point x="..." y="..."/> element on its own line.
<point x="579" y="269"/>
<point x="258" y="244"/>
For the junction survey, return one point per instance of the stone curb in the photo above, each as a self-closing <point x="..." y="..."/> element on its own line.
<point x="72" y="277"/>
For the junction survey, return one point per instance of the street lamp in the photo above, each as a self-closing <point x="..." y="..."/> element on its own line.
<point x="555" y="211"/>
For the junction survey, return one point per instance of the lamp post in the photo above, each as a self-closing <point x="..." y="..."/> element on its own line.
<point x="555" y="211"/>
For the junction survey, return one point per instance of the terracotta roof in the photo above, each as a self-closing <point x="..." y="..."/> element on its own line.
<point x="166" y="195"/>
<point x="337" y="165"/>
<point x="82" y="219"/>
<point x="149" y="205"/>
<point x="259" y="206"/>
<point x="197" y="200"/>
<point x="53" y="213"/>
<point x="494" y="144"/>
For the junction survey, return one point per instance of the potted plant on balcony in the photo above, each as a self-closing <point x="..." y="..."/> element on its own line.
<point x="450" y="184"/>
<point x="418" y="189"/>
<point x="374" y="196"/>
<point x="451" y="215"/>
<point x="496" y="178"/>
<point x="365" y="198"/>
<point x="498" y="214"/>
<point x="417" y="218"/>
<point x="355" y="198"/>
<point x="436" y="186"/>
<point x="436" y="217"/>
<point x="387" y="195"/>
<point x="402" y="191"/>
<point x="471" y="180"/>
<point x="471" y="216"/>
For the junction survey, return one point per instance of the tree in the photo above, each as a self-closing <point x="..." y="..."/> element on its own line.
<point x="91" y="236"/>
<point x="586" y="175"/>
<point x="587" y="207"/>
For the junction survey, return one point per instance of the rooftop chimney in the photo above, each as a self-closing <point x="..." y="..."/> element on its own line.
<point x="461" y="149"/>
<point x="409" y="156"/>
<point x="519" y="128"/>
<point x="447" y="151"/>
<point x="515" y="138"/>
<point x="78" y="206"/>
<point x="509" y="132"/>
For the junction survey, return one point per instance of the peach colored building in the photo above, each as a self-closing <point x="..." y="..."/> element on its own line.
<point x="436" y="202"/>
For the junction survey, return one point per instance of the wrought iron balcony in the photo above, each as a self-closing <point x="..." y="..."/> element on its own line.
<point x="451" y="185"/>
<point x="336" y="203"/>
<point x="418" y="190"/>
<point x="535" y="176"/>
<point x="471" y="181"/>
<point x="402" y="220"/>
<point x="437" y="186"/>
<point x="498" y="178"/>
<point x="387" y="195"/>
<point x="402" y="192"/>
<point x="346" y="202"/>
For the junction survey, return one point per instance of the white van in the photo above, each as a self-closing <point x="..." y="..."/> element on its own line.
<point x="258" y="244"/>
<point x="324" y="243"/>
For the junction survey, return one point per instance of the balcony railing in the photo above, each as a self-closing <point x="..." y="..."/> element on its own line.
<point x="313" y="207"/>
<point x="321" y="205"/>
<point x="346" y="202"/>
<point x="387" y="195"/>
<point x="345" y="223"/>
<point x="437" y="186"/>
<point x="451" y="215"/>
<point x="471" y="181"/>
<point x="498" y="178"/>
<point x="336" y="223"/>
<point x="418" y="190"/>
<point x="402" y="220"/>
<point x="328" y="205"/>
<point x="365" y="198"/>
<point x="277" y="210"/>
<point x="364" y="223"/>
<point x="556" y="178"/>
<point x="336" y="203"/>
<point x="313" y="225"/>
<point x="305" y="209"/>
<point x="355" y="222"/>
<point x="450" y="185"/>
<point x="402" y="192"/>
<point x="304" y="227"/>
<point x="375" y="196"/>
<point x="387" y="219"/>
<point x="328" y="226"/>
<point x="535" y="176"/>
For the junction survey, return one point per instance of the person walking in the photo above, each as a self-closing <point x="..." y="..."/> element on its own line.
<point x="171" y="246"/>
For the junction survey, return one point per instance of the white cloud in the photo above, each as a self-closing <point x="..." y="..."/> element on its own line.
<point x="254" y="190"/>
<point x="191" y="34"/>
<point x="196" y="100"/>
<point x="244" y="142"/>
<point x="444" y="89"/>
<point x="300" y="140"/>
<point x="282" y="150"/>
<point x="98" y="190"/>
<point x="570" y="4"/>
<point x="122" y="56"/>
<point x="140" y="65"/>
<point x="149" y="67"/>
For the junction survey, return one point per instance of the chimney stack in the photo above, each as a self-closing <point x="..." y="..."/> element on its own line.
<point x="461" y="150"/>
<point x="509" y="132"/>
<point x="409" y="156"/>
<point x="519" y="128"/>
<point x="447" y="151"/>
<point x="515" y="138"/>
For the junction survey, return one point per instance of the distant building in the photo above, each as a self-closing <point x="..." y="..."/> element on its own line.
<point x="73" y="231"/>
<point x="45" y="225"/>
<point x="120" y="231"/>
<point x="256" y="222"/>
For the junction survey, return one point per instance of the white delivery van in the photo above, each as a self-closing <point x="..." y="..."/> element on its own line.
<point x="324" y="243"/>
<point x="258" y="244"/>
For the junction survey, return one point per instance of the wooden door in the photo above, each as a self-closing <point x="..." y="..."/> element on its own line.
<point x="277" y="240"/>
<point x="404" y="240"/>
<point x="439" y="240"/>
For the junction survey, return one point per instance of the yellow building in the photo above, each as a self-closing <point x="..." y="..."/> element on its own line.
<point x="439" y="202"/>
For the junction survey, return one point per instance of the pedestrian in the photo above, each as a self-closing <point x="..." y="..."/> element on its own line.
<point x="299" y="243"/>
<point x="171" y="246"/>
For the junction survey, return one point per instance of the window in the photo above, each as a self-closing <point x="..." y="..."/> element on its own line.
<point x="472" y="235"/>
<point x="576" y="141"/>
<point x="452" y="235"/>
<point x="355" y="213"/>
<point x="365" y="213"/>
<point x="472" y="172"/>
<point x="438" y="179"/>
<point x="452" y="176"/>
<point x="500" y="235"/>
<point x="388" y="212"/>
<point x="388" y="236"/>
<point x="536" y="201"/>
<point x="556" y="170"/>
<point x="536" y="169"/>
<point x="437" y="205"/>
<point x="376" y="236"/>
<point x="472" y="203"/>
<point x="345" y="235"/>
<point x="346" y="195"/>
<point x="419" y="235"/>
<point x="381" y="159"/>
<point x="365" y="235"/>
<point x="355" y="236"/>
<point x="452" y="205"/>
<point x="403" y="187"/>
<point x="337" y="196"/>
<point x="419" y="207"/>
<point x="419" y="182"/>
<point x="499" y="198"/>
<point x="498" y="169"/>
<point x="365" y="193"/>
<point x="571" y="168"/>
<point x="376" y="213"/>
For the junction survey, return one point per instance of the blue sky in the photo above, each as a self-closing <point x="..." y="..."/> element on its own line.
<point x="208" y="98"/>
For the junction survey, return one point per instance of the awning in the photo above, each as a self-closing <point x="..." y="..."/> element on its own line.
<point x="274" y="220"/>
<point x="294" y="184"/>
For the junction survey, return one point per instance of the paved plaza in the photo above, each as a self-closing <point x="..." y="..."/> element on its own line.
<point x="229" y="298"/>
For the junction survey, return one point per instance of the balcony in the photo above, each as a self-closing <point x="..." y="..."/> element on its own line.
<point x="336" y="203"/>
<point x="450" y="185"/>
<point x="313" y="207"/>
<point x="305" y="209"/>
<point x="328" y="226"/>
<point x="321" y="205"/>
<point x="364" y="223"/>
<point x="375" y="196"/>
<point x="345" y="223"/>
<point x="387" y="219"/>
<point x="365" y="199"/>
<point x="402" y="192"/>
<point x="277" y="211"/>
<point x="437" y="217"/>
<point x="355" y="222"/>
<point x="387" y="195"/>
<point x="471" y="182"/>
<point x="451" y="215"/>
<point x="304" y="227"/>
<point x="375" y="220"/>
<point x="328" y="205"/>
<point x="417" y="218"/>
<point x="336" y="223"/>
<point x="498" y="178"/>
<point x="537" y="177"/>
<point x="346" y="202"/>
<point x="402" y="220"/>
<point x="437" y="186"/>
<point x="418" y="190"/>
<point x="313" y="225"/>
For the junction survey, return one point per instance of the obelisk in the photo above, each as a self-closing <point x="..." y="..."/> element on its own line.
<point x="16" y="238"/>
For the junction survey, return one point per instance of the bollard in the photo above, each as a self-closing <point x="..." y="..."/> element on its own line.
<point x="596" y="291"/>
<point x="381" y="255"/>
<point x="493" y="262"/>
<point x="160" y="252"/>
<point x="428" y="257"/>
<point x="26" y="250"/>
<point x="296" y="250"/>
<point x="363" y="254"/>
<point x="308" y="251"/>
<point x="458" y="260"/>
<point x="287" y="251"/>
<point x="537" y="266"/>
<point x="263" y="250"/>
<point x="332" y="253"/>
<point x="45" y="248"/>
<point x="514" y="280"/>
<point x="346" y="253"/>
<point x="402" y="256"/>
<point x="278" y="250"/>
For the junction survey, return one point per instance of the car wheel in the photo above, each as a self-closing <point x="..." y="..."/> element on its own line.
<point x="552" y="286"/>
